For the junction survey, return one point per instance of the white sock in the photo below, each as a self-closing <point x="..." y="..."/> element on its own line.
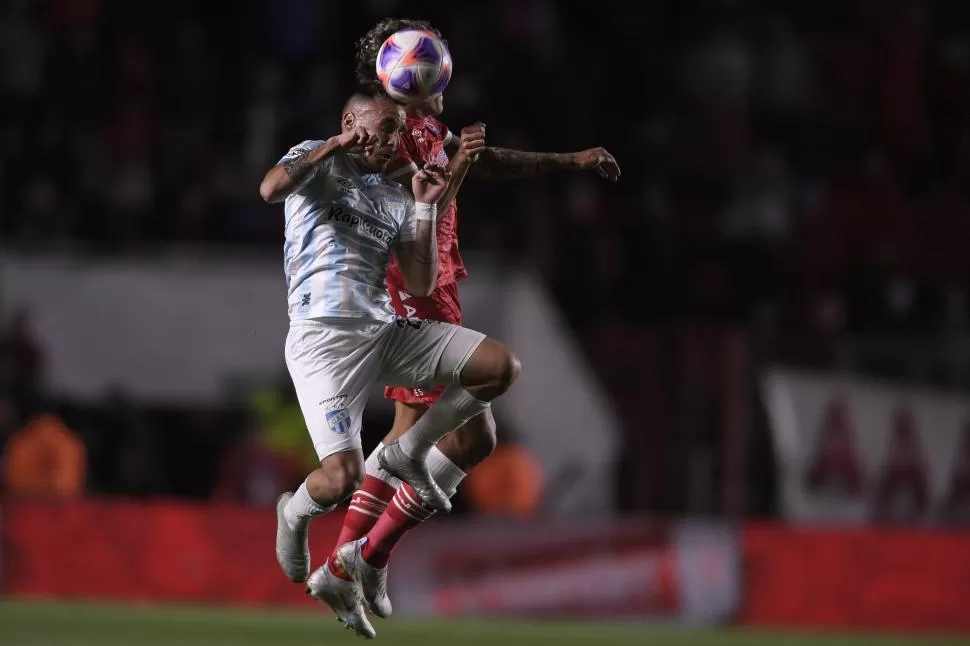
<point x="445" y="472"/>
<point x="455" y="407"/>
<point x="372" y="467"/>
<point x="302" y="508"/>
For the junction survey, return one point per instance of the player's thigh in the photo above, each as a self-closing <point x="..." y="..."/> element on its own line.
<point x="419" y="352"/>
<point x="331" y="369"/>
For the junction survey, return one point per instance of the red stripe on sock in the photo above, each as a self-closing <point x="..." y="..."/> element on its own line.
<point x="404" y="513"/>
<point x="356" y="522"/>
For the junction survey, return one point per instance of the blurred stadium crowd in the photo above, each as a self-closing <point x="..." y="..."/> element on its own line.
<point x="800" y="171"/>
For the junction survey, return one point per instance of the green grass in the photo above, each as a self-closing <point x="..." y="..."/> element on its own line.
<point x="62" y="624"/>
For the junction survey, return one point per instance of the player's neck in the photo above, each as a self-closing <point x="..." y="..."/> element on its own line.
<point x="363" y="165"/>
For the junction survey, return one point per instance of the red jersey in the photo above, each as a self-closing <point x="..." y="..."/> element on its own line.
<point x="424" y="142"/>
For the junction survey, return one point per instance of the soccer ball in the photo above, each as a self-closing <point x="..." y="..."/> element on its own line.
<point x="414" y="65"/>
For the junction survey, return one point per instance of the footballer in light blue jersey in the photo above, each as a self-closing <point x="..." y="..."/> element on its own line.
<point x="342" y="223"/>
<point x="344" y="219"/>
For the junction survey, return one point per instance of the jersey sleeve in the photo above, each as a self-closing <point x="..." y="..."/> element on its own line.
<point x="409" y="227"/>
<point x="303" y="148"/>
<point x="300" y="149"/>
<point x="405" y="160"/>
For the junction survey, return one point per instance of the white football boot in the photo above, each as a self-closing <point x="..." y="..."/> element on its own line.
<point x="344" y="598"/>
<point x="414" y="472"/>
<point x="292" y="547"/>
<point x="372" y="580"/>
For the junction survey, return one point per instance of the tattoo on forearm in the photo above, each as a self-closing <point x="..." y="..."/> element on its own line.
<point x="425" y="256"/>
<point x="502" y="163"/>
<point x="298" y="167"/>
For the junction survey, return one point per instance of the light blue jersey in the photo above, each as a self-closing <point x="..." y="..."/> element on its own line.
<point x="342" y="224"/>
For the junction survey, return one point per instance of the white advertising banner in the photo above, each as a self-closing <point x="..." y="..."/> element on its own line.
<point x="182" y="328"/>
<point x="851" y="450"/>
<point x="632" y="569"/>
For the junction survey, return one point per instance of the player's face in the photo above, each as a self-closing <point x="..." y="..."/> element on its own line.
<point x="386" y="120"/>
<point x="430" y="108"/>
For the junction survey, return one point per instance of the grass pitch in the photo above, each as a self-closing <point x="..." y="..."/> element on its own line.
<point x="68" y="624"/>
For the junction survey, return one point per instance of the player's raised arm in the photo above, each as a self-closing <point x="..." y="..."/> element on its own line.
<point x="417" y="249"/>
<point x="470" y="146"/>
<point x="303" y="161"/>
<point x="466" y="151"/>
<point x="504" y="163"/>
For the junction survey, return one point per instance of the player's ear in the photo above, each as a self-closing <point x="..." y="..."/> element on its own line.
<point x="349" y="121"/>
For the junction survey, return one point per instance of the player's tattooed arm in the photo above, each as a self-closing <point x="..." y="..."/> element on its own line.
<point x="504" y="163"/>
<point x="417" y="253"/>
<point x="284" y="178"/>
<point x="297" y="168"/>
<point x="418" y="259"/>
<point x="300" y="164"/>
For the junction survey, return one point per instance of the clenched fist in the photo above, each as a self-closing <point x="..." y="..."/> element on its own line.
<point x="600" y="160"/>
<point x="472" y="141"/>
<point x="429" y="183"/>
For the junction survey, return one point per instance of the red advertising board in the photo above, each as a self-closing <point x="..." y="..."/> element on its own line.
<point x="149" y="551"/>
<point x="886" y="579"/>
<point x="761" y="575"/>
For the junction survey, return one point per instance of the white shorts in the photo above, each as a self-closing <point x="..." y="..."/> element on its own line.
<point x="334" y="363"/>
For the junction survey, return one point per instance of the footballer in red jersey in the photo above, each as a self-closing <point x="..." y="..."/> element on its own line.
<point x="427" y="139"/>
<point x="384" y="509"/>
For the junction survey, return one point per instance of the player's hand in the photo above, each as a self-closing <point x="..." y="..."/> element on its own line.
<point x="600" y="160"/>
<point x="429" y="183"/>
<point x="356" y="140"/>
<point x="472" y="141"/>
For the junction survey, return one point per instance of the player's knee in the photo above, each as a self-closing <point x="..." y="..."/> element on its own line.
<point x="343" y="475"/>
<point x="509" y="368"/>
<point x="491" y="371"/>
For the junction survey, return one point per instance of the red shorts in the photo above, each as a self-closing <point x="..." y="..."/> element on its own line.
<point x="442" y="306"/>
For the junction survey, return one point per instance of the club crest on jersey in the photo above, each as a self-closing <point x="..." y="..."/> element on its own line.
<point x="339" y="421"/>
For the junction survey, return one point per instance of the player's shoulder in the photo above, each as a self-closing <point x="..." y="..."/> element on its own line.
<point x="308" y="144"/>
<point x="426" y="128"/>
<point x="302" y="148"/>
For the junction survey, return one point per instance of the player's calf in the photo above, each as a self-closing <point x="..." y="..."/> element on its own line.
<point x="470" y="444"/>
<point x="337" y="478"/>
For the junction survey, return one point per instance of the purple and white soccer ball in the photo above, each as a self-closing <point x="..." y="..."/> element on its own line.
<point x="414" y="65"/>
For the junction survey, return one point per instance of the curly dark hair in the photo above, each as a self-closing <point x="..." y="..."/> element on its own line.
<point x="370" y="44"/>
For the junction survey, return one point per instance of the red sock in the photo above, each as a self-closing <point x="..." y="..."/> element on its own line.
<point x="404" y="513"/>
<point x="366" y="506"/>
